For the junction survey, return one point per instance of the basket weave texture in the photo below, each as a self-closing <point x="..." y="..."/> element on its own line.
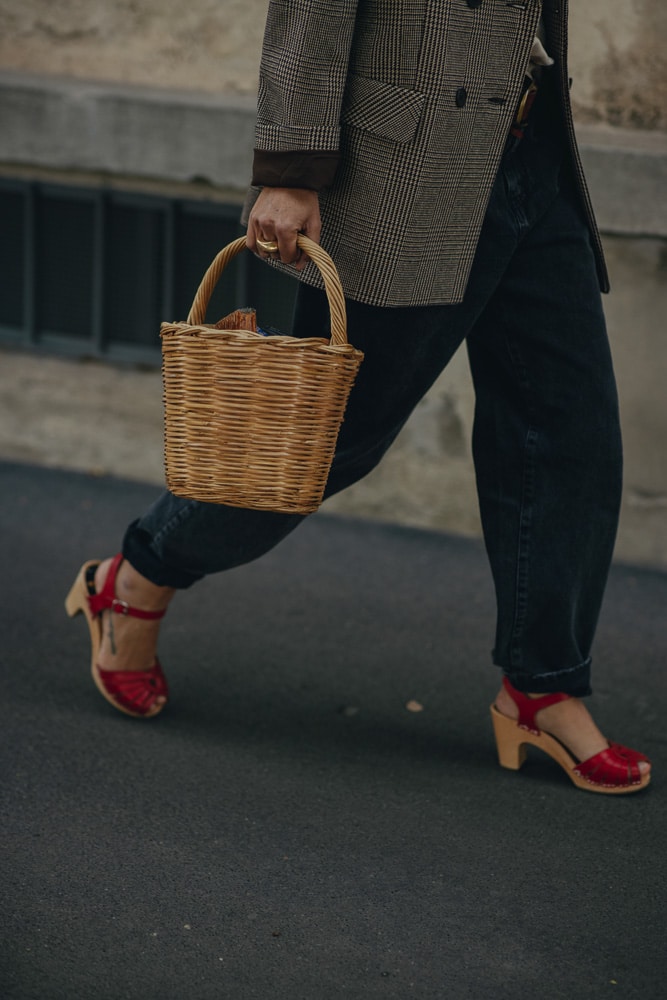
<point x="252" y="420"/>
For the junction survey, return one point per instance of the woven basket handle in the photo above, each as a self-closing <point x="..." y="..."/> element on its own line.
<point x="332" y="285"/>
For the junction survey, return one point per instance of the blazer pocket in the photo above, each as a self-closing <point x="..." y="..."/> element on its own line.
<point x="386" y="111"/>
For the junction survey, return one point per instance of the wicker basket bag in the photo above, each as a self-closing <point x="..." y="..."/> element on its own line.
<point x="252" y="420"/>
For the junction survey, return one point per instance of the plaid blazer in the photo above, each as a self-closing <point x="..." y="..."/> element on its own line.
<point x="418" y="96"/>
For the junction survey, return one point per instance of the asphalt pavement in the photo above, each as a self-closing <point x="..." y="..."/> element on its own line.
<point x="319" y="814"/>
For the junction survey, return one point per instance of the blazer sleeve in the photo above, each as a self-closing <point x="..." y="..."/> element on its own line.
<point x="302" y="77"/>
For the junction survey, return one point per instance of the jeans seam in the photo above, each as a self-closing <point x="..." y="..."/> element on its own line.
<point x="174" y="522"/>
<point x="565" y="670"/>
<point x="525" y="514"/>
<point x="523" y="546"/>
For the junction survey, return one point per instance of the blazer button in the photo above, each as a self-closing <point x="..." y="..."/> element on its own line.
<point x="461" y="97"/>
<point x="474" y="3"/>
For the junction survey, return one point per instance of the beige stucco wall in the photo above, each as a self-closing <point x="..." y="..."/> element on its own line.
<point x="208" y="45"/>
<point x="618" y="56"/>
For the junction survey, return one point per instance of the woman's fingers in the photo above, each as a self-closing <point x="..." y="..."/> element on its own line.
<point x="277" y="217"/>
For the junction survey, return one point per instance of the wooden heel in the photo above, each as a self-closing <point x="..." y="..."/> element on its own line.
<point x="76" y="601"/>
<point x="73" y="603"/>
<point x="510" y="744"/>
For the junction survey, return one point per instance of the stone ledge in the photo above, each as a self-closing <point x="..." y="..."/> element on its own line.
<point x="139" y="131"/>
<point x="627" y="174"/>
<point x="184" y="136"/>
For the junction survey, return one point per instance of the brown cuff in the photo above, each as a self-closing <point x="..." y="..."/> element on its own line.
<point x="313" y="169"/>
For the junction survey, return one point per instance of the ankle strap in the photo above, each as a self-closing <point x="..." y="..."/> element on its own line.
<point x="106" y="599"/>
<point x="529" y="707"/>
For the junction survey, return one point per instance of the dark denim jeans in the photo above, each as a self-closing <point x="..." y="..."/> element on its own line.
<point x="546" y="438"/>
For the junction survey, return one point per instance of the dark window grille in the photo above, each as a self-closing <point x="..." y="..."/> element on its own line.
<point x="64" y="264"/>
<point x="92" y="273"/>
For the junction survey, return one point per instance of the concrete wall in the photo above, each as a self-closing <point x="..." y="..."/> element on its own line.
<point x="618" y="59"/>
<point x="209" y="45"/>
<point x="156" y="90"/>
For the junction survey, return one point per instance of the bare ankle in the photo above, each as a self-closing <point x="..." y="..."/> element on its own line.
<point x="137" y="590"/>
<point x="133" y="588"/>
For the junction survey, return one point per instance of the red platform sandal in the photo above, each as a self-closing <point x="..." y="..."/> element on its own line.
<point x="614" y="771"/>
<point x="135" y="692"/>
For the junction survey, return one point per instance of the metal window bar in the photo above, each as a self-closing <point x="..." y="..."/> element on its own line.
<point x="92" y="272"/>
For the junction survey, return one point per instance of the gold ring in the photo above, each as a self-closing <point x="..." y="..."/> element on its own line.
<point x="267" y="246"/>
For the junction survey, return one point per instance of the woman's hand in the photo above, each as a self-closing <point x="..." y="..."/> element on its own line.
<point x="277" y="216"/>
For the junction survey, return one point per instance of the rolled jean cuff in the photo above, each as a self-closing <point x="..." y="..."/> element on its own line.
<point x="137" y="549"/>
<point x="575" y="681"/>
